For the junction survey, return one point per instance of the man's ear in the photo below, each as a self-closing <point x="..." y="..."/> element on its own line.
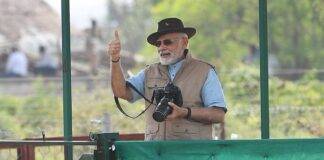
<point x="185" y="42"/>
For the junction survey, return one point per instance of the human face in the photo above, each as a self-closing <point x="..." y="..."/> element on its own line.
<point x="170" y="48"/>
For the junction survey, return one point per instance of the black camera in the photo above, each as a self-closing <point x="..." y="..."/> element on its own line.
<point x="170" y="93"/>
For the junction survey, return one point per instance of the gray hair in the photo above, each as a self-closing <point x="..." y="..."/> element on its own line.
<point x="183" y="35"/>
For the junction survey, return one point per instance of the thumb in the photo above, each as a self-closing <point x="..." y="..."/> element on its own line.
<point x="171" y="104"/>
<point x="116" y="35"/>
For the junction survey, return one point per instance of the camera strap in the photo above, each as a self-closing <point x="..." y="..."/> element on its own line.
<point x="128" y="84"/>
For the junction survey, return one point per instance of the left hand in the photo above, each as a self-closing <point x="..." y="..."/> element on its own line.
<point x="177" y="112"/>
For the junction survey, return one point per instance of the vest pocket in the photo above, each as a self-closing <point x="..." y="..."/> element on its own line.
<point x="153" y="83"/>
<point x="152" y="128"/>
<point x="185" y="128"/>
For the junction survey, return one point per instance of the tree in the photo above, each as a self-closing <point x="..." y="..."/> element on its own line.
<point x="227" y="28"/>
<point x="298" y="36"/>
<point x="132" y="19"/>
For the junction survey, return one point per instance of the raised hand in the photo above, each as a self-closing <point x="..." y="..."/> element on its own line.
<point x="114" y="48"/>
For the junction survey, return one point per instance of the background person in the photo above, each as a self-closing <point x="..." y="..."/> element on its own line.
<point x="17" y="64"/>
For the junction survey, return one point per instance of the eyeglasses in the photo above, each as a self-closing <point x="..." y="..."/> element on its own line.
<point x="166" y="42"/>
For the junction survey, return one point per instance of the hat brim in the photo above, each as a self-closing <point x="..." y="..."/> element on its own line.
<point x="152" y="38"/>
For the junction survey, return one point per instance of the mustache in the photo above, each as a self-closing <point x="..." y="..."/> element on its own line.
<point x="164" y="51"/>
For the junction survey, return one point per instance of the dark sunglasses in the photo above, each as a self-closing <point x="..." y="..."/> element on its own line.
<point x="166" y="42"/>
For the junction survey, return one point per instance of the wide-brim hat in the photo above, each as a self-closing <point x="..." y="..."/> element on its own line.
<point x="170" y="25"/>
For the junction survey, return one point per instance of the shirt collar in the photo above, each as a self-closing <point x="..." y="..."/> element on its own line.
<point x="176" y="65"/>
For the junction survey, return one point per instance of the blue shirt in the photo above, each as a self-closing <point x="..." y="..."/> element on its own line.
<point x="212" y="93"/>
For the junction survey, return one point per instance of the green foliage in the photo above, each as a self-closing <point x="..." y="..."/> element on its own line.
<point x="296" y="108"/>
<point x="305" y="92"/>
<point x="225" y="29"/>
<point x="241" y="85"/>
<point x="298" y="36"/>
<point x="27" y="117"/>
<point x="90" y="108"/>
<point x="131" y="19"/>
<point x="40" y="112"/>
<point x="8" y="129"/>
<point x="9" y="104"/>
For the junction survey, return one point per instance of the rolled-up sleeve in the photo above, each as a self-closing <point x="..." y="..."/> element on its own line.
<point x="138" y="82"/>
<point x="212" y="92"/>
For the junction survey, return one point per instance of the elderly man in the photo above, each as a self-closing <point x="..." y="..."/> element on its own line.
<point x="203" y="98"/>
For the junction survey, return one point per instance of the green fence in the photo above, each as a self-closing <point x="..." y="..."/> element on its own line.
<point x="267" y="149"/>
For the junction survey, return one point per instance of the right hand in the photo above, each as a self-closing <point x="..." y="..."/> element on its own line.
<point x="114" y="48"/>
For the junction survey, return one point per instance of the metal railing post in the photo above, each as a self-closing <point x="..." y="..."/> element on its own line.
<point x="26" y="152"/>
<point x="263" y="40"/>
<point x="66" y="60"/>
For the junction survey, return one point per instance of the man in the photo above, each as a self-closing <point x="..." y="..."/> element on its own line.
<point x="47" y="64"/>
<point x="93" y="39"/>
<point x="17" y="64"/>
<point x="203" y="99"/>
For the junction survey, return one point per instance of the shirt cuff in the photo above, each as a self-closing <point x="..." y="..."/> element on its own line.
<point x="223" y="107"/>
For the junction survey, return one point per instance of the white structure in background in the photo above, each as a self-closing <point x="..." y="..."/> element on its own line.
<point x="28" y="24"/>
<point x="234" y="136"/>
<point x="106" y="123"/>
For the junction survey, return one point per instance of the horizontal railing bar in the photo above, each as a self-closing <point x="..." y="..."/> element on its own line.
<point x="17" y="143"/>
<point x="48" y="141"/>
<point x="54" y="79"/>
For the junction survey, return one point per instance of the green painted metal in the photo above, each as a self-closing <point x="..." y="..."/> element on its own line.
<point x="66" y="59"/>
<point x="105" y="143"/>
<point x="274" y="149"/>
<point x="263" y="40"/>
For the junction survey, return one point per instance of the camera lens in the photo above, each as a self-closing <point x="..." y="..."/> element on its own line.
<point x="162" y="110"/>
<point x="159" y="116"/>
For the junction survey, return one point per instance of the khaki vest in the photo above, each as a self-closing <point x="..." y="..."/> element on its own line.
<point x="190" y="79"/>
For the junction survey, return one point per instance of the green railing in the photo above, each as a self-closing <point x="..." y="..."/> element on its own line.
<point x="263" y="38"/>
<point x="274" y="149"/>
<point x="66" y="60"/>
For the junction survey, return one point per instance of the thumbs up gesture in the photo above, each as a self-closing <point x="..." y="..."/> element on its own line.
<point x="114" y="48"/>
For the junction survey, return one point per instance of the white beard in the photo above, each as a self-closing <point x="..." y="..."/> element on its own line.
<point x="168" y="61"/>
<point x="172" y="59"/>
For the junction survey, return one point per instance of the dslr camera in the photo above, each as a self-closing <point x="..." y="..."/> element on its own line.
<point x="170" y="93"/>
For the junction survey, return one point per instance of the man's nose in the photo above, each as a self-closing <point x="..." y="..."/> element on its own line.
<point x="161" y="50"/>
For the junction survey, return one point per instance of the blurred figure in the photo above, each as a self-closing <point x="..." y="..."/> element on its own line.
<point x="92" y="40"/>
<point x="17" y="64"/>
<point x="47" y="64"/>
<point x="253" y="55"/>
<point x="273" y="65"/>
<point x="3" y="59"/>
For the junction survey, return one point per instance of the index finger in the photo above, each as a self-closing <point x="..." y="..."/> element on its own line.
<point x="116" y="35"/>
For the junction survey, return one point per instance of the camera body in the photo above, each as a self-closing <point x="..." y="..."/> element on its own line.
<point x="170" y="93"/>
